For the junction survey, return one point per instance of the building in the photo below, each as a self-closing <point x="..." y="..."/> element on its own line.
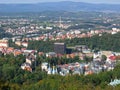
<point x="30" y="59"/>
<point x="26" y="66"/>
<point x="59" y="48"/>
<point x="18" y="43"/>
<point x="25" y="44"/>
<point x="17" y="52"/>
<point x="81" y="48"/>
<point x="4" y="43"/>
<point x="44" y="66"/>
<point x="51" y="54"/>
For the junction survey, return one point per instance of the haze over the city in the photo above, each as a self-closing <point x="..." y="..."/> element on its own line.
<point x="38" y="1"/>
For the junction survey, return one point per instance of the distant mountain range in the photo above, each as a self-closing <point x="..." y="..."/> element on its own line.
<point x="59" y="6"/>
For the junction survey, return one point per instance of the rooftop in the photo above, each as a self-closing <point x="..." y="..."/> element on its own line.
<point x="60" y="43"/>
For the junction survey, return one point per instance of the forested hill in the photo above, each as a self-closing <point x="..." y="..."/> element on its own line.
<point x="59" y="6"/>
<point x="104" y="42"/>
<point x="12" y="77"/>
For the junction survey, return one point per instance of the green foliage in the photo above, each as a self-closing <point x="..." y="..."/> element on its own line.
<point x="104" y="42"/>
<point x="14" y="78"/>
<point x="42" y="46"/>
<point x="11" y="72"/>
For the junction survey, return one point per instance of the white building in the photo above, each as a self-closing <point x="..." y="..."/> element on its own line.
<point x="4" y="43"/>
<point x="44" y="66"/>
<point x="25" y="44"/>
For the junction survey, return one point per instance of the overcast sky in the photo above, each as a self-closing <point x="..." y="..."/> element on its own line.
<point x="37" y="1"/>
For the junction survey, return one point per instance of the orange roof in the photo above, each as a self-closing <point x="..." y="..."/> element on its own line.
<point x="28" y="69"/>
<point x="10" y="48"/>
<point x="17" y="53"/>
<point x="112" y="57"/>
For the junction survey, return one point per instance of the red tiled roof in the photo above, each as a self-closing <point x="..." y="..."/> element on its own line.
<point x="112" y="57"/>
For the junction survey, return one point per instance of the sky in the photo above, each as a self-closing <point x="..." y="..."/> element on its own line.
<point x="38" y="1"/>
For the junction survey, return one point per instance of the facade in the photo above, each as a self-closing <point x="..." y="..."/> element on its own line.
<point x="44" y="66"/>
<point x="4" y="43"/>
<point x="26" y="66"/>
<point x="18" y="43"/>
<point x="51" y="54"/>
<point x="59" y="48"/>
<point x="81" y="48"/>
<point x="25" y="44"/>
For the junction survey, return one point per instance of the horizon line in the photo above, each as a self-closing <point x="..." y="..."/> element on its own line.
<point x="58" y="2"/>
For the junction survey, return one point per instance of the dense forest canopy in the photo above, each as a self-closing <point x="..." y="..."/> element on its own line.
<point x="12" y="77"/>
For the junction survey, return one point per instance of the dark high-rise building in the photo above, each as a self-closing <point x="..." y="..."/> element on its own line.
<point x="60" y="48"/>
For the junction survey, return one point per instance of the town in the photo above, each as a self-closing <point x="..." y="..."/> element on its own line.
<point x="50" y="45"/>
<point x="97" y="63"/>
<point x="24" y="30"/>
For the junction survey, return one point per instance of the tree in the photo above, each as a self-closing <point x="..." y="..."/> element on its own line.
<point x="103" y="58"/>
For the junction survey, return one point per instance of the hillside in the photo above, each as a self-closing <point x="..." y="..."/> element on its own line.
<point x="59" y="6"/>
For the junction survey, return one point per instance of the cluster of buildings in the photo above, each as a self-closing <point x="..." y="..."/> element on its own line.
<point x="30" y="54"/>
<point x="75" y="34"/>
<point x="31" y="29"/>
<point x="79" y="68"/>
<point x="95" y="66"/>
<point x="5" y="49"/>
<point x="61" y="35"/>
<point x="26" y="26"/>
<point x="36" y="31"/>
<point x="98" y="63"/>
<point x="30" y="59"/>
<point x="22" y="43"/>
<point x="60" y="49"/>
<point x="18" y="26"/>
